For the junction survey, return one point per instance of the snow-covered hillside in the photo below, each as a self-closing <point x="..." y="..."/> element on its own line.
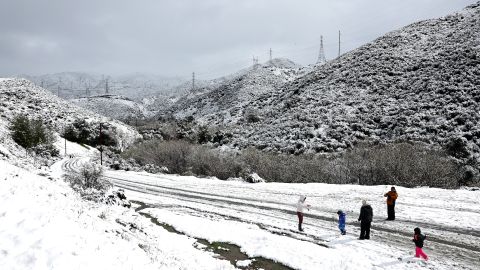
<point x="227" y="100"/>
<point x="19" y="96"/>
<point x="116" y="107"/>
<point x="45" y="225"/>
<point x="418" y="83"/>
<point x="135" y="86"/>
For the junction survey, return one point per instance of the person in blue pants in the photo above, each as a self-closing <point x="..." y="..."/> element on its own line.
<point x="341" y="221"/>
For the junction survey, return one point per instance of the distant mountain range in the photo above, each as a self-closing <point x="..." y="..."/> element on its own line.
<point x="136" y="86"/>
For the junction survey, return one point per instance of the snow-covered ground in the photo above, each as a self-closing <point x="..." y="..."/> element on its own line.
<point x="45" y="225"/>
<point x="260" y="218"/>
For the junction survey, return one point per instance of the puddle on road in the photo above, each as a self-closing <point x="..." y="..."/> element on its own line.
<point x="223" y="250"/>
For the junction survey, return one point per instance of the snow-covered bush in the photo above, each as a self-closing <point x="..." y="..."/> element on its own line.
<point x="32" y="134"/>
<point x="88" y="181"/>
<point x="117" y="197"/>
<point x="205" y="161"/>
<point x="46" y="150"/>
<point x="252" y="116"/>
<point x="152" y="168"/>
<point x="254" y="178"/>
<point x="405" y="164"/>
<point x="83" y="132"/>
<point x="287" y="168"/>
<point x="171" y="154"/>
<point x="182" y="157"/>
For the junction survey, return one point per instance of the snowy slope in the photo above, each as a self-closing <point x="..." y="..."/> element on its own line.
<point x="116" y="107"/>
<point x="46" y="226"/>
<point x="135" y="86"/>
<point x="420" y="83"/>
<point x="226" y="100"/>
<point x="19" y="96"/>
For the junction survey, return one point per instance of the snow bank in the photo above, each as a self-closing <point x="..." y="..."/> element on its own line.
<point x="46" y="226"/>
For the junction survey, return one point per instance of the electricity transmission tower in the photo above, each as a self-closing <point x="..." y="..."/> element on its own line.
<point x="255" y="61"/>
<point x="321" y="54"/>
<point x="193" y="81"/>
<point x="58" y="87"/>
<point x="106" y="86"/>
<point x="270" y="54"/>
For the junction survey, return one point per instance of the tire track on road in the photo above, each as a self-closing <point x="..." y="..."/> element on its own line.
<point x="154" y="190"/>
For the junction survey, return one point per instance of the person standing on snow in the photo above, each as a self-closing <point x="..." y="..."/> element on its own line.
<point x="301" y="205"/>
<point x="341" y="221"/>
<point x="391" y="198"/>
<point x="418" y="239"/>
<point x="365" y="218"/>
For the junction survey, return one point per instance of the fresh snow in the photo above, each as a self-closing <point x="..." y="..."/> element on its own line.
<point x="46" y="226"/>
<point x="262" y="217"/>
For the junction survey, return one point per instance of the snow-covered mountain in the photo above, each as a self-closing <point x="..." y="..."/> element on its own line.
<point x="227" y="100"/>
<point x="20" y="96"/>
<point x="117" y="107"/>
<point x="420" y="83"/>
<point x="135" y="86"/>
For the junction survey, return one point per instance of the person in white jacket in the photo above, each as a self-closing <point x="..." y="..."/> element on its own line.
<point x="301" y="205"/>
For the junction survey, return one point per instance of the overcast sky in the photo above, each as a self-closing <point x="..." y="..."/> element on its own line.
<point x="176" y="37"/>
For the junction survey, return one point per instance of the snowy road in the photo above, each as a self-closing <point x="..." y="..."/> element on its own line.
<point x="449" y="218"/>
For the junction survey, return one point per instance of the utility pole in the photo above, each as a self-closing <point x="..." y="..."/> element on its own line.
<point x="270" y="54"/>
<point x="65" y="140"/>
<point x="100" y="143"/>
<point x="321" y="54"/>
<point x="193" y="81"/>
<point x="338" y="43"/>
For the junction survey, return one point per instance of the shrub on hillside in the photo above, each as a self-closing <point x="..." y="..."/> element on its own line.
<point x="88" y="181"/>
<point x="205" y="161"/>
<point x="252" y="116"/>
<point x="287" y="168"/>
<point x="171" y="154"/>
<point x="405" y="164"/>
<point x="33" y="134"/>
<point x="83" y="132"/>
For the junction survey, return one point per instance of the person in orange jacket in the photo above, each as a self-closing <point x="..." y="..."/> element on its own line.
<point x="391" y="198"/>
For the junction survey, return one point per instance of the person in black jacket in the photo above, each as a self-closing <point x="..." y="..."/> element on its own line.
<point x="365" y="218"/>
<point x="418" y="239"/>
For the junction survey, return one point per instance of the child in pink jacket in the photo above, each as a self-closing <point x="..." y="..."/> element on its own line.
<point x="418" y="239"/>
